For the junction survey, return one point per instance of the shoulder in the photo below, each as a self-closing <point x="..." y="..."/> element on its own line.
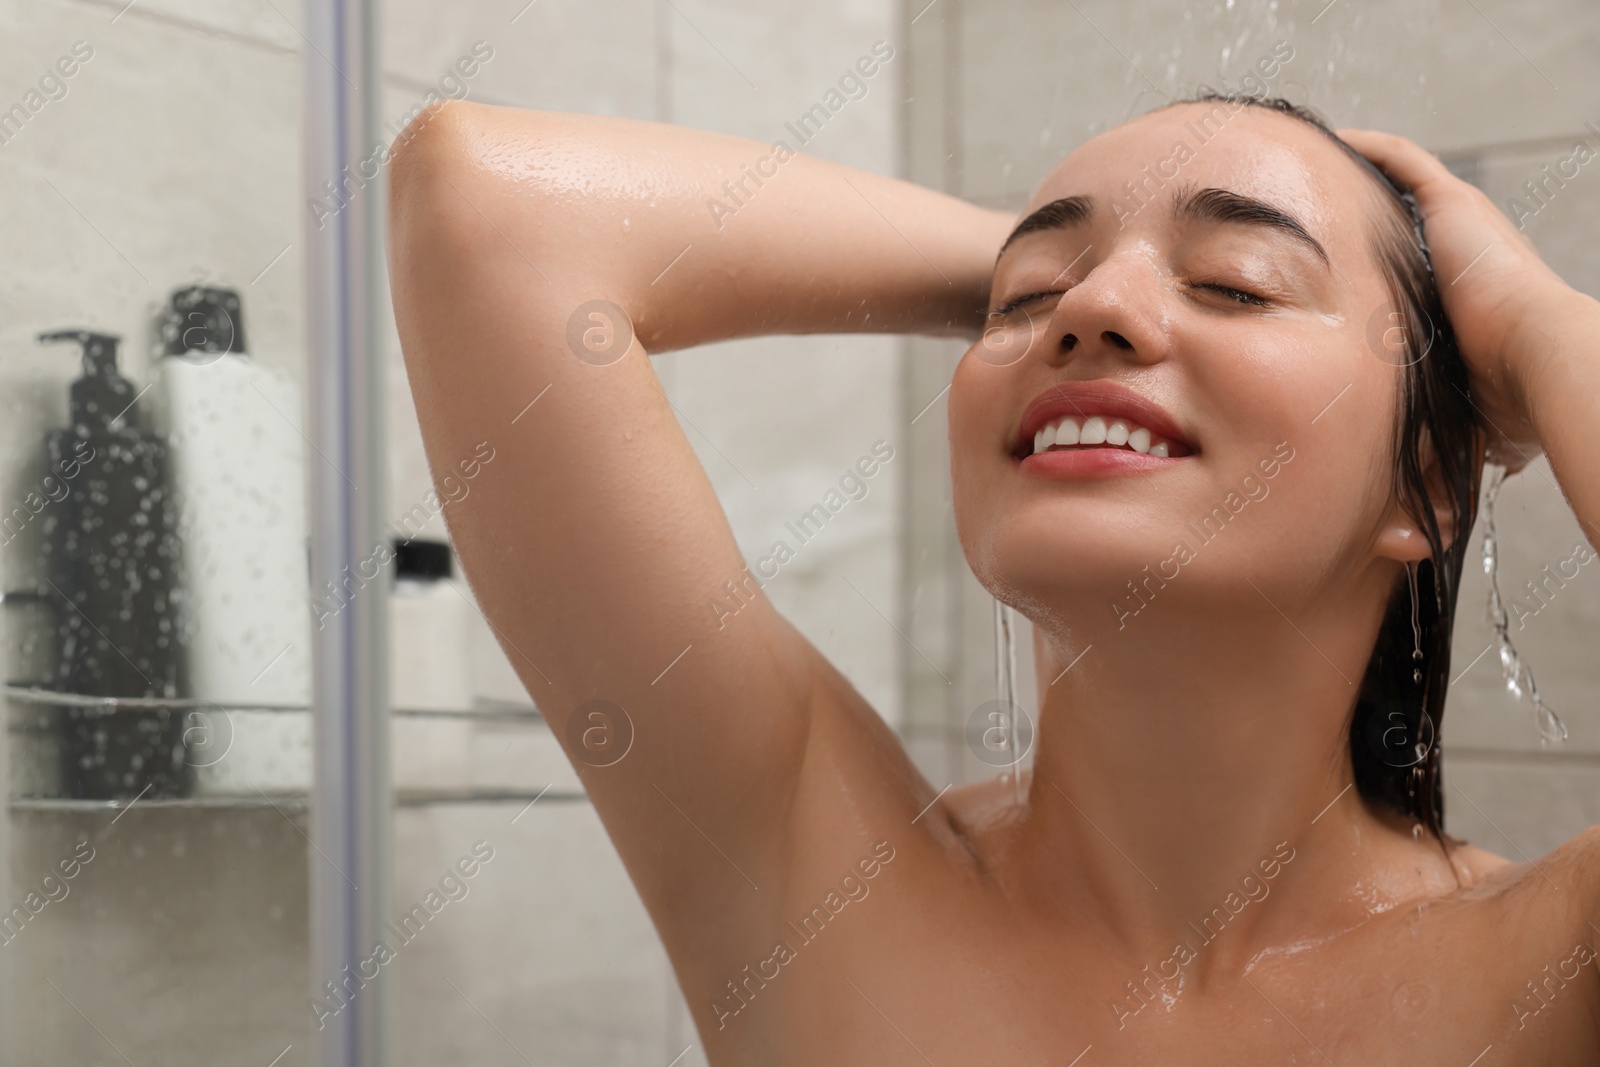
<point x="1574" y="867"/>
<point x="1581" y="856"/>
<point x="1576" y="864"/>
<point x="1559" y="891"/>
<point x="1571" y="868"/>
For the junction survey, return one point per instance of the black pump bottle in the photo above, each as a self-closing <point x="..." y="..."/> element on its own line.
<point x="111" y="564"/>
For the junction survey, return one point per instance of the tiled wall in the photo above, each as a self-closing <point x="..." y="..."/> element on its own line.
<point x="174" y="157"/>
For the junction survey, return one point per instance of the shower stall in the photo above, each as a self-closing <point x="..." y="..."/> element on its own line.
<point x="272" y="793"/>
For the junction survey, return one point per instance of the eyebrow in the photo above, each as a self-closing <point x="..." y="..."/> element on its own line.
<point x="1201" y="205"/>
<point x="1060" y="214"/>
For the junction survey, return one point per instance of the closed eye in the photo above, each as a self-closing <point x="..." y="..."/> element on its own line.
<point x="1013" y="305"/>
<point x="1238" y="296"/>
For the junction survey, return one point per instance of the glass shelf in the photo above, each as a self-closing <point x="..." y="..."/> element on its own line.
<point x="300" y="802"/>
<point x="484" y="708"/>
<point x="260" y="756"/>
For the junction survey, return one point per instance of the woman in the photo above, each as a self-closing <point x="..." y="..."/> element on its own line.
<point x="1229" y="850"/>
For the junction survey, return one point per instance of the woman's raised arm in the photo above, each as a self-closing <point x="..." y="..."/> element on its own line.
<point x="1531" y="342"/>
<point x="534" y="259"/>
<point x="1532" y="345"/>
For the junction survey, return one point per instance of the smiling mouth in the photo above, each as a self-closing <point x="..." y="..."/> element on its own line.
<point x="1071" y="434"/>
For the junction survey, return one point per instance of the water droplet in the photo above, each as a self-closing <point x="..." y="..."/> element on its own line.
<point x="626" y="225"/>
<point x="1552" y="731"/>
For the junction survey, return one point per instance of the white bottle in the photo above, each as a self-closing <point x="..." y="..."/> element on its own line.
<point x="239" y="479"/>
<point x="429" y="671"/>
<point x="429" y="659"/>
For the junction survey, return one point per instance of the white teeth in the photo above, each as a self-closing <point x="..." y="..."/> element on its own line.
<point x="1096" y="430"/>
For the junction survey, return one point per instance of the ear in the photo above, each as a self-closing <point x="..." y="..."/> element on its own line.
<point x="1402" y="539"/>
<point x="1402" y="536"/>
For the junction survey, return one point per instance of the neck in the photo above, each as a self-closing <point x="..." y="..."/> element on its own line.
<point x="1192" y="763"/>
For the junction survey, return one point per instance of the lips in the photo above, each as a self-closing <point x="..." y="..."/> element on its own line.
<point x="1083" y="399"/>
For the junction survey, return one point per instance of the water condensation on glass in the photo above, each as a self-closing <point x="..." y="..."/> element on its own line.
<point x="1518" y="675"/>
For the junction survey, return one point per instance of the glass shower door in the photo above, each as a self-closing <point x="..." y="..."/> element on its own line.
<point x="157" y="455"/>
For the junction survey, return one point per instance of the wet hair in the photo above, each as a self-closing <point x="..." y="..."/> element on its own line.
<point x="1394" y="727"/>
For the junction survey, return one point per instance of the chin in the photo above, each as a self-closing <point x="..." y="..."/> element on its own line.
<point x="1039" y="564"/>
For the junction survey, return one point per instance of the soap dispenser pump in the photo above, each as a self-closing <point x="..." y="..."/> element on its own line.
<point x="111" y="558"/>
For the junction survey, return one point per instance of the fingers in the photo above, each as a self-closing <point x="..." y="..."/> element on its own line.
<point x="1402" y="159"/>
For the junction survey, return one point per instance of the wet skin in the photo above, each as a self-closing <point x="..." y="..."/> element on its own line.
<point x="1191" y="877"/>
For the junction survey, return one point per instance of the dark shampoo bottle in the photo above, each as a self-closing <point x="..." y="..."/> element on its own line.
<point x="111" y="561"/>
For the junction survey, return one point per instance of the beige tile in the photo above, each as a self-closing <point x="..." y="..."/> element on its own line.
<point x="523" y="756"/>
<point x="551" y="944"/>
<point x="1036" y="79"/>
<point x="1503" y="72"/>
<point x="1520" y="808"/>
<point x="264" y="22"/>
<point x="748" y="70"/>
<point x="1032" y="81"/>
<point x="562" y="55"/>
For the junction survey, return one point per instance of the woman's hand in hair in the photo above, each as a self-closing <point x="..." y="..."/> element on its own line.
<point x="1504" y="302"/>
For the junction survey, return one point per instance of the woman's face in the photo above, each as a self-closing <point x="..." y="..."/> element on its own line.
<point x="1167" y="304"/>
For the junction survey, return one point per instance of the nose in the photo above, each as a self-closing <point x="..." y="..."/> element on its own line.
<point x="1116" y="312"/>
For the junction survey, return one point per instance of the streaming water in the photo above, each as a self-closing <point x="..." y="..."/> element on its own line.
<point x="1416" y="626"/>
<point x="1005" y="671"/>
<point x="1518" y="676"/>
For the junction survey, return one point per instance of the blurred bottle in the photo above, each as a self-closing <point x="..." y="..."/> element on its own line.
<point x="111" y="558"/>
<point x="239" y="483"/>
